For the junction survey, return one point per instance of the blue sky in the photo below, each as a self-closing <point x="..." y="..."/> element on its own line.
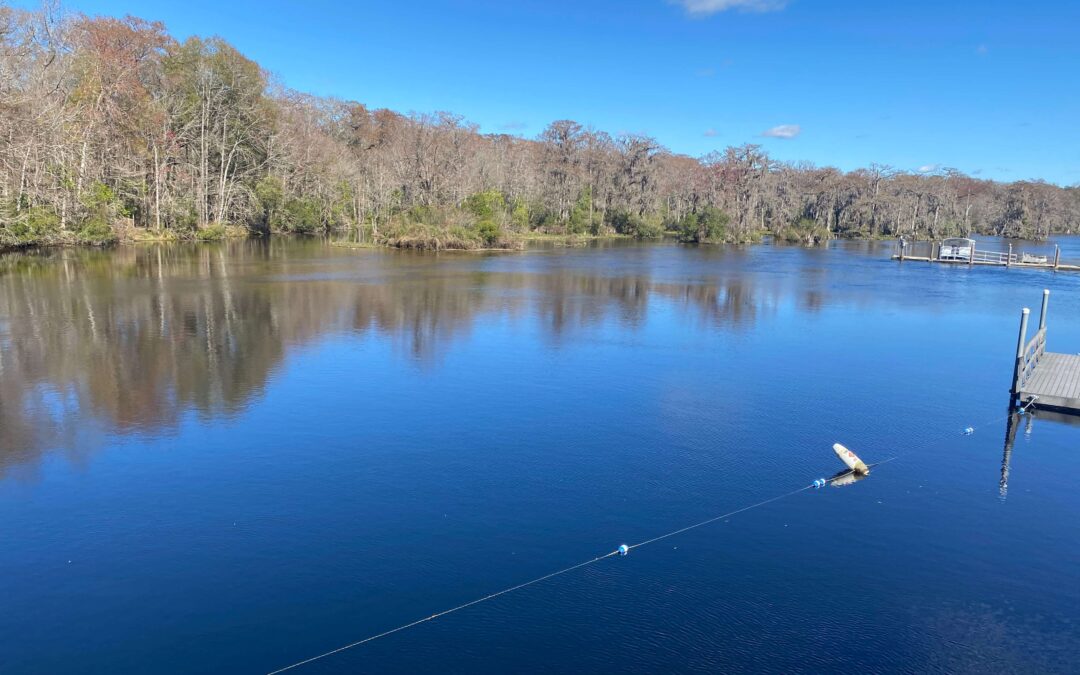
<point x="991" y="88"/>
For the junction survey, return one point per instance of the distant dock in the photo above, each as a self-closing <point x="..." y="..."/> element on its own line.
<point x="1040" y="378"/>
<point x="966" y="252"/>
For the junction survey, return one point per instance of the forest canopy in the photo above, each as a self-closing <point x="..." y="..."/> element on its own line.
<point x="110" y="128"/>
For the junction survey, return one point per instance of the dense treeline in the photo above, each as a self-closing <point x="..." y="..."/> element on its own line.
<point x="109" y="127"/>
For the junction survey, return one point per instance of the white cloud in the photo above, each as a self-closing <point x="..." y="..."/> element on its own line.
<point x="707" y="7"/>
<point x="711" y="132"/>
<point x="783" y="131"/>
<point x="928" y="168"/>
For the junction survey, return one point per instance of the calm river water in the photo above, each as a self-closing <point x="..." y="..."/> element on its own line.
<point x="228" y="458"/>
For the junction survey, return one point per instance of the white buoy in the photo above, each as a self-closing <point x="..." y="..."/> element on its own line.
<point x="624" y="549"/>
<point x="851" y="459"/>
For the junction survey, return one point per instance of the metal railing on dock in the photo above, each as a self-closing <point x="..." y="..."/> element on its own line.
<point x="994" y="257"/>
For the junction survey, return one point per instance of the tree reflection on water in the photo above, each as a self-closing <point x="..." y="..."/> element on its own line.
<point x="134" y="337"/>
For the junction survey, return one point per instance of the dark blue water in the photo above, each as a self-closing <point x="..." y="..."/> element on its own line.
<point x="231" y="458"/>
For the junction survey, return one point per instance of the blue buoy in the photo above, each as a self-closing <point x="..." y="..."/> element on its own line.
<point x="623" y="549"/>
<point x="968" y="431"/>
<point x="820" y="483"/>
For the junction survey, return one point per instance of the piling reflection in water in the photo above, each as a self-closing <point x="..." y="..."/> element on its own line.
<point x="1012" y="425"/>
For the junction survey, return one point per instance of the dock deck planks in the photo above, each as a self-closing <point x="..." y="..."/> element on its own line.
<point x="1055" y="381"/>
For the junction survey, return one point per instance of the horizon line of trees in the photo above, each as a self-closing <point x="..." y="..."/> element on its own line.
<point x="110" y="126"/>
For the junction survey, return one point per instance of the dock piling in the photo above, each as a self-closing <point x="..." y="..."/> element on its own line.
<point x="1042" y="311"/>
<point x="1021" y="342"/>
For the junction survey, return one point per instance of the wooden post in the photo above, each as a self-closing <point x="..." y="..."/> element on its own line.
<point x="902" y="242"/>
<point x="932" y="244"/>
<point x="1057" y="255"/>
<point x="1042" y="312"/>
<point x="1020" y="344"/>
<point x="971" y="256"/>
<point x="1008" y="261"/>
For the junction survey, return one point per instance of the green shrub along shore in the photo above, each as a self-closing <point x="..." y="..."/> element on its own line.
<point x="484" y="221"/>
<point x="487" y="220"/>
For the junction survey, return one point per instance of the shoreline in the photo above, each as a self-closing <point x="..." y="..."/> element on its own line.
<point x="520" y="243"/>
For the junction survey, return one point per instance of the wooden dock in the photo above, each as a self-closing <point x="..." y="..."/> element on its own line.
<point x="1040" y="378"/>
<point x="930" y="251"/>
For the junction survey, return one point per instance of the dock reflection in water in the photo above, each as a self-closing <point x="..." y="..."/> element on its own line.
<point x="1027" y="420"/>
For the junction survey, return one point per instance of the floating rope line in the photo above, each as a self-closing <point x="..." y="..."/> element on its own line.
<point x="445" y="612"/>
<point x="1026" y="408"/>
<point x="726" y="515"/>
<point x="622" y="550"/>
